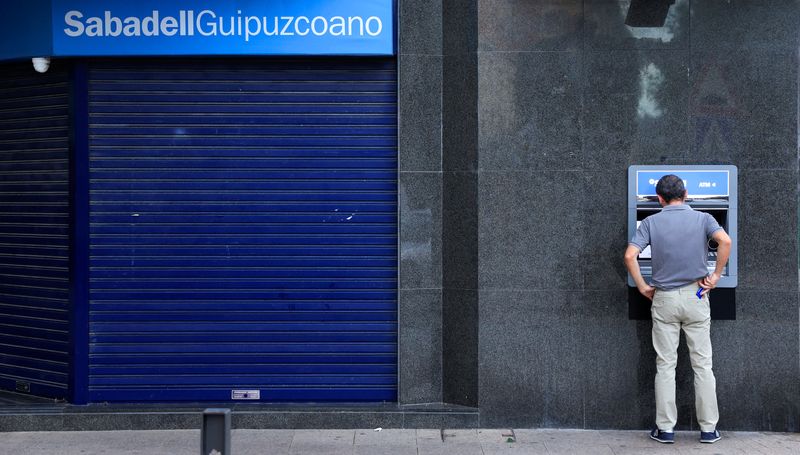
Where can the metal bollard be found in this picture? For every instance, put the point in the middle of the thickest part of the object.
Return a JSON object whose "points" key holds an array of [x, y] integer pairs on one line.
{"points": [[216, 433]]}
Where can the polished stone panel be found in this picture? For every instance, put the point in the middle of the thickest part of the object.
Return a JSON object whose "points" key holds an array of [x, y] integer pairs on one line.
{"points": [[659, 75], [530, 25], [620, 382], [605, 218], [768, 237], [744, 108], [532, 369], [541, 133], [459, 113], [530, 230], [460, 230], [31, 422], [137, 417], [756, 365], [420, 320], [441, 420], [310, 419], [117, 421], [529, 111], [765, 306], [616, 136], [459, 26], [460, 346], [420, 30], [745, 24], [605, 26], [636, 108], [420, 113], [562, 98], [420, 200], [420, 230], [528, 73]]}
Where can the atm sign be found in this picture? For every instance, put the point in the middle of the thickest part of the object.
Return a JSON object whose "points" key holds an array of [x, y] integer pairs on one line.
{"points": [[700, 183]]}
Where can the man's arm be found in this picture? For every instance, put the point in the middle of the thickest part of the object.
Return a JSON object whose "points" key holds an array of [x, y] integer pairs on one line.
{"points": [[632, 263], [723, 253]]}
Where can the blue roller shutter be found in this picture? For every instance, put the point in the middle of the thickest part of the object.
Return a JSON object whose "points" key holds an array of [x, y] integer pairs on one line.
{"points": [[34, 230], [243, 230]]}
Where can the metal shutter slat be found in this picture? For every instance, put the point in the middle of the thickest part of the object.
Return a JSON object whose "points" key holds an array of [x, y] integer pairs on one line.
{"points": [[34, 242], [243, 223]]}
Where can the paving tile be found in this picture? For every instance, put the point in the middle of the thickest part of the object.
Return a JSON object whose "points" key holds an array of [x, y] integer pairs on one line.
{"points": [[569, 448], [654, 448], [400, 442], [776, 443], [324, 436], [328, 442], [385, 450], [431, 448], [390, 437], [771, 451], [780, 439], [261, 441], [460, 437], [711, 450], [320, 449], [178, 442], [493, 436], [425, 434], [532, 448], [624, 438], [546, 435]]}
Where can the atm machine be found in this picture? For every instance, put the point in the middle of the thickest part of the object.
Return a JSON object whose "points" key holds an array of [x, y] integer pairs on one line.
{"points": [[711, 189]]}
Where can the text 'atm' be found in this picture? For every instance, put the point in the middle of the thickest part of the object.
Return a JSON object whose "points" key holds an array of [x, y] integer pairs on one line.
{"points": [[711, 189]]}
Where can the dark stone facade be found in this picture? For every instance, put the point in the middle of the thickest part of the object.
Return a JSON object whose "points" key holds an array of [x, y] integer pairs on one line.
{"points": [[518, 121]]}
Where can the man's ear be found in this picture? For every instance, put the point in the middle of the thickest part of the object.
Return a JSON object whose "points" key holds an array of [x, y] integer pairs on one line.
{"points": [[685, 194], [661, 200]]}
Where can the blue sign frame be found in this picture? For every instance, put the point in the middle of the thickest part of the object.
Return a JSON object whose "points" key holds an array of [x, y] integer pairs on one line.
{"points": [[73, 28], [25, 29], [700, 183]]}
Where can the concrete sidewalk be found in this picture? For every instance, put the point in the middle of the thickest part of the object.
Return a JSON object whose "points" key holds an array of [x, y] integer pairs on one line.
{"points": [[411, 442]]}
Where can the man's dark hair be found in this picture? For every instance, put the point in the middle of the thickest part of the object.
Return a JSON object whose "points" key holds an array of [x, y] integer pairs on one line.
{"points": [[670, 187]]}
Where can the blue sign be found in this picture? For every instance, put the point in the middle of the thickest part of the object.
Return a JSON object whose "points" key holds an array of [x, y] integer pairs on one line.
{"points": [[699, 183], [209, 27], [25, 29]]}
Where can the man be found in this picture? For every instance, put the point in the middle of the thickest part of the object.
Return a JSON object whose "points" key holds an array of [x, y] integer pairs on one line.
{"points": [[678, 237]]}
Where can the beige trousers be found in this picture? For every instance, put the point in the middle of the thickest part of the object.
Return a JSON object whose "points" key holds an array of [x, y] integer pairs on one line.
{"points": [[672, 311]]}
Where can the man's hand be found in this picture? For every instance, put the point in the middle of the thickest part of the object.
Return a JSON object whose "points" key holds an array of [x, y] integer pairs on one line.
{"points": [[709, 282], [723, 253], [647, 291]]}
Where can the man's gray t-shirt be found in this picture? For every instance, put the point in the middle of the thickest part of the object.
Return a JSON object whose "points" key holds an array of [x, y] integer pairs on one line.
{"points": [[678, 238]]}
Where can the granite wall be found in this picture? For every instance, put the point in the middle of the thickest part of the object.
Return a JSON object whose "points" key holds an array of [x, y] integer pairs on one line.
{"points": [[420, 58], [518, 121], [438, 76], [568, 98]]}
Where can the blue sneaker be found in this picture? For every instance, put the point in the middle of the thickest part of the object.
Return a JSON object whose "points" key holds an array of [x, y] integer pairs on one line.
{"points": [[662, 436], [709, 437]]}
